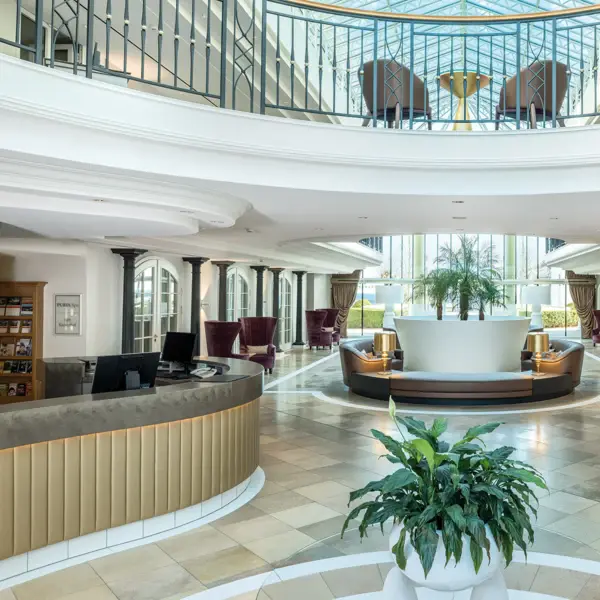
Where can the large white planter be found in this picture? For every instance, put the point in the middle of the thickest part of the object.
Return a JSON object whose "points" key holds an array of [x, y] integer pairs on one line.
{"points": [[488, 584]]}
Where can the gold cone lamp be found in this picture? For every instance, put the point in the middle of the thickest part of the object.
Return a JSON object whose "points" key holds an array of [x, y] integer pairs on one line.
{"points": [[384, 343], [538, 343]]}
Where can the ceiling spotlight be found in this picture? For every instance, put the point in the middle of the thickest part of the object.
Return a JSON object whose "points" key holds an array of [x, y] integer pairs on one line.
{"points": [[460, 230], [458, 201], [459, 218], [99, 200], [363, 218], [248, 230], [186, 212], [554, 218], [217, 222], [318, 229]]}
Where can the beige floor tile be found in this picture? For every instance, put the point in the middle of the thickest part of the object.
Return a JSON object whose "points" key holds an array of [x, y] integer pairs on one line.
{"points": [[196, 543], [559, 582], [279, 502], [591, 514], [59, 584], [384, 569], [353, 581], [316, 462], [313, 587], [167, 583], [245, 513], [301, 516], [322, 491], [519, 576], [300, 479], [591, 590], [567, 503], [280, 547], [125, 565], [7, 595], [254, 529], [282, 469], [577, 527], [258, 595], [234, 562], [102, 592], [270, 488]]}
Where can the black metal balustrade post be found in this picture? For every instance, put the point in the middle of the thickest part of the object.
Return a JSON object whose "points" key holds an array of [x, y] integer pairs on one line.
{"points": [[129, 256], [260, 274], [299, 306], [196, 262], [223, 266], [89, 46]]}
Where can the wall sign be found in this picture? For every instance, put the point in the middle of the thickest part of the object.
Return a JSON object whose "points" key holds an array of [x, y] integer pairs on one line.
{"points": [[67, 314]]}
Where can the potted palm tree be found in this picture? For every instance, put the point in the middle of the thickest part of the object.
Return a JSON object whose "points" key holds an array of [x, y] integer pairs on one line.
{"points": [[470, 265], [458, 510], [489, 294], [437, 287]]}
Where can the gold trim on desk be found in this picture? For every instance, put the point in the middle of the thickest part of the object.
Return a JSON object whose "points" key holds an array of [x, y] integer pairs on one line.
{"points": [[446, 19], [62, 489]]}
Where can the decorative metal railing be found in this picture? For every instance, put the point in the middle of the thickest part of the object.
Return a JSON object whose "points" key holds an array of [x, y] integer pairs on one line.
{"points": [[307, 60], [553, 244], [375, 243]]}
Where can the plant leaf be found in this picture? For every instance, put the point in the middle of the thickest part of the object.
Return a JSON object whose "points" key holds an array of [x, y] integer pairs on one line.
{"points": [[424, 447], [476, 555], [527, 476], [426, 542], [479, 430], [399, 479], [399, 552], [439, 427], [455, 512], [392, 408]]}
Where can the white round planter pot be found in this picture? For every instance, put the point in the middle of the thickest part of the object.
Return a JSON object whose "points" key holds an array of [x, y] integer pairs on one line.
{"points": [[488, 584]]}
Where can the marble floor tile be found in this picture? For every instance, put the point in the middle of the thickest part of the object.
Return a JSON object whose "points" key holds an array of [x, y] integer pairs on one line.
{"points": [[578, 528], [280, 547], [196, 543], [167, 583], [561, 583], [323, 491], [567, 503], [59, 584], [313, 587], [102, 592], [254, 529], [519, 576], [7, 595], [301, 516], [591, 590], [280, 501], [353, 581]]}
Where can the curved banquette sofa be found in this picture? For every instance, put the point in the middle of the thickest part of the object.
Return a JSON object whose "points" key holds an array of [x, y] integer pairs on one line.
{"points": [[362, 375]]}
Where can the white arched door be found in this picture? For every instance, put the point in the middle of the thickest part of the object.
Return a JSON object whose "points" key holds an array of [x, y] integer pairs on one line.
{"points": [[156, 304], [285, 310], [238, 296]]}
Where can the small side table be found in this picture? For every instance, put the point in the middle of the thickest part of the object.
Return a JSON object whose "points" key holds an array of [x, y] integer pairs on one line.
{"points": [[463, 85]]}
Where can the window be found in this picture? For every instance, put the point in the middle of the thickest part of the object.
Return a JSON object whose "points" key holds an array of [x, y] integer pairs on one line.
{"points": [[285, 310]]}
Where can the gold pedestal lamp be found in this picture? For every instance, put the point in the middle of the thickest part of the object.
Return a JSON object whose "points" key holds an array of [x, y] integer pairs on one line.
{"points": [[537, 343], [384, 343], [463, 85]]}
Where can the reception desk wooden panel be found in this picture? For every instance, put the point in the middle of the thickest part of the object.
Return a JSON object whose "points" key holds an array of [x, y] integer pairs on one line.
{"points": [[61, 489]]}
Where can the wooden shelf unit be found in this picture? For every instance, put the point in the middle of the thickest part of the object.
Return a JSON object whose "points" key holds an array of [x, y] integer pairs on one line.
{"points": [[35, 291]]}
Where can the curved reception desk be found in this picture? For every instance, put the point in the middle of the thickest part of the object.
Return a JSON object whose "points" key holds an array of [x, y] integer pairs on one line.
{"points": [[453, 346], [92, 471]]}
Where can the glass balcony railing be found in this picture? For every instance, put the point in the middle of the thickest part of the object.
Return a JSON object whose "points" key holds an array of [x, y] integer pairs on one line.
{"points": [[375, 243], [346, 65], [553, 244]]}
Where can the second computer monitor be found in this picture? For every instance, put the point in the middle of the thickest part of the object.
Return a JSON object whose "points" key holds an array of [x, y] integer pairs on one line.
{"points": [[179, 347]]}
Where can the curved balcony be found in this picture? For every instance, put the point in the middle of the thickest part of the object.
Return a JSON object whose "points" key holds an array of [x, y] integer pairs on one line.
{"points": [[303, 59]]}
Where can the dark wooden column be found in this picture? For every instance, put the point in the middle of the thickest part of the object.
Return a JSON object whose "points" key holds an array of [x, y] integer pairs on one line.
{"points": [[260, 275], [299, 308], [196, 262], [276, 281], [223, 266], [129, 256]]}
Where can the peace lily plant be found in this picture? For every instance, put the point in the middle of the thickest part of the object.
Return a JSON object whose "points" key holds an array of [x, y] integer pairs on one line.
{"points": [[460, 494]]}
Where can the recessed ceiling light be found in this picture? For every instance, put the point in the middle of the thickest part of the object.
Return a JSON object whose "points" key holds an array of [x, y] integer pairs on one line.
{"points": [[554, 218], [217, 222], [363, 217], [458, 201], [318, 229], [460, 230], [99, 200], [248, 230], [186, 212], [459, 218]]}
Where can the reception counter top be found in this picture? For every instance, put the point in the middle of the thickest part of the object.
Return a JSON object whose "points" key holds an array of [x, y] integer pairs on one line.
{"points": [[123, 466], [56, 418]]}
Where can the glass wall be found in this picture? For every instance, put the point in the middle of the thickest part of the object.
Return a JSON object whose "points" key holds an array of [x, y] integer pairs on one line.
{"points": [[518, 259]]}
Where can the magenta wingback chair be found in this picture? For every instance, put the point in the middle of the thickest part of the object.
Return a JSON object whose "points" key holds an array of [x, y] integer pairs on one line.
{"points": [[314, 329], [596, 330], [220, 336], [259, 331], [330, 319]]}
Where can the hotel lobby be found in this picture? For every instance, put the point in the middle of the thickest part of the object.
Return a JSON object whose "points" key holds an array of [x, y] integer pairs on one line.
{"points": [[299, 300]]}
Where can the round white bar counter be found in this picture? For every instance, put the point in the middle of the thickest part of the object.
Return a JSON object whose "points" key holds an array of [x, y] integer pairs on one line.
{"points": [[453, 346]]}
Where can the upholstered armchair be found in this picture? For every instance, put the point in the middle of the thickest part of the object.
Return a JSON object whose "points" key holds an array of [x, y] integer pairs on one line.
{"points": [[393, 95], [259, 332], [220, 337], [596, 330], [329, 323], [317, 336], [537, 88]]}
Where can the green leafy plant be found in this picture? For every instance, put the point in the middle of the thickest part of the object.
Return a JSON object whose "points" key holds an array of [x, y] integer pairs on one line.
{"points": [[437, 287], [489, 293], [453, 491]]}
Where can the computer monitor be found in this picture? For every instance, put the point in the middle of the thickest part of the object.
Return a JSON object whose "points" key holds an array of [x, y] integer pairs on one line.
{"points": [[125, 372], [179, 347]]}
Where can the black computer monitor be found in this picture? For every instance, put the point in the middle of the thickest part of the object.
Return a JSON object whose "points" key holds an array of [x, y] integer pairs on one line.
{"points": [[125, 372], [179, 347]]}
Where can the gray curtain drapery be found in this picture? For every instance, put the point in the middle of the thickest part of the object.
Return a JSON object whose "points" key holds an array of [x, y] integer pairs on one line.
{"points": [[583, 293], [343, 294]]}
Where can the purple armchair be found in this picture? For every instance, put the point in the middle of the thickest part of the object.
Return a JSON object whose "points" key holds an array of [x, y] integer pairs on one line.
{"points": [[330, 321], [259, 331], [315, 331], [596, 330], [220, 336]]}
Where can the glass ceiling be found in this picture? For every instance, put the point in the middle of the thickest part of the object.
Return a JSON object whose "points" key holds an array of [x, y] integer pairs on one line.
{"points": [[493, 49]]}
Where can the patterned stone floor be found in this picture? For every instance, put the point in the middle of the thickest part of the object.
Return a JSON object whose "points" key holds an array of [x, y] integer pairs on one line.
{"points": [[314, 452]]}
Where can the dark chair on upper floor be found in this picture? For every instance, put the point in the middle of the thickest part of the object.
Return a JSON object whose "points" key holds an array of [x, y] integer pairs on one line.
{"points": [[330, 323], [317, 336], [256, 339], [220, 337], [536, 91], [596, 330], [394, 93]]}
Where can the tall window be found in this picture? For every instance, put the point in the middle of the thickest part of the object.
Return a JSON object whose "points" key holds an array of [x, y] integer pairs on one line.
{"points": [[156, 304], [285, 310], [238, 297]]}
